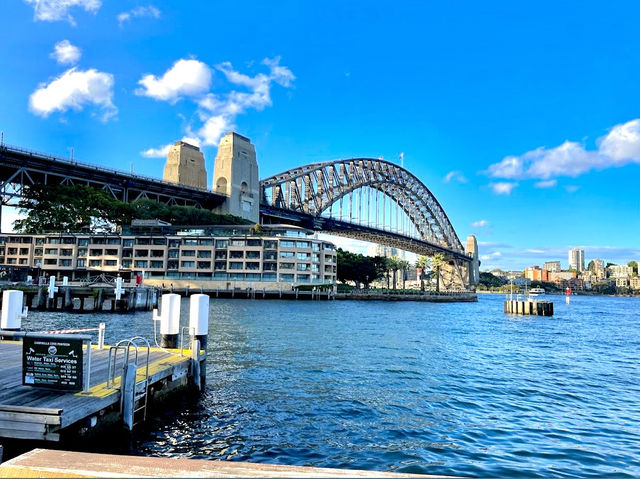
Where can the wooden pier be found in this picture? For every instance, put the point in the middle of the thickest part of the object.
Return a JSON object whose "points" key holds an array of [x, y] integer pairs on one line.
{"points": [[28, 412]]}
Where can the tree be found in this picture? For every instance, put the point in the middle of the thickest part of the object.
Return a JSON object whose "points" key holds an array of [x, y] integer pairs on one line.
{"points": [[634, 266], [423, 264], [437, 260], [356, 267], [404, 265], [490, 281]]}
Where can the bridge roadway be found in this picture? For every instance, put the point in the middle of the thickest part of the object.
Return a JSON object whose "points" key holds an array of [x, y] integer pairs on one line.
{"points": [[20, 167]]}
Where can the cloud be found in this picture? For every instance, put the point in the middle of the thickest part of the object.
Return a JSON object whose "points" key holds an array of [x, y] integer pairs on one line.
{"points": [[74, 90], [65, 53], [480, 224], [160, 152], [56, 10], [546, 184], [216, 112], [571, 188], [149, 11], [621, 146], [455, 176], [9, 215], [490, 256], [535, 251], [184, 78], [502, 187]]}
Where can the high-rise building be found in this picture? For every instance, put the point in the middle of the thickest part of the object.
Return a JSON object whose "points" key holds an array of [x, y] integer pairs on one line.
{"points": [[235, 174], [599, 269], [185, 165], [576, 259]]}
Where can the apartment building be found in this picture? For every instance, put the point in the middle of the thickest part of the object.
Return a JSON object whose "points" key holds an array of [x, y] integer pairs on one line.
{"points": [[212, 253]]}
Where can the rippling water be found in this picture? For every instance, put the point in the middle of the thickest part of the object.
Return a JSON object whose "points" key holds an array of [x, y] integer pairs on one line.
{"points": [[458, 389]]}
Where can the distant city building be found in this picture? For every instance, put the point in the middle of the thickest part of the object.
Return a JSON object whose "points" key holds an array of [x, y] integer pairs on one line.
{"points": [[622, 282], [185, 165], [620, 271], [576, 259], [634, 283], [562, 276], [552, 266], [534, 273], [599, 269]]}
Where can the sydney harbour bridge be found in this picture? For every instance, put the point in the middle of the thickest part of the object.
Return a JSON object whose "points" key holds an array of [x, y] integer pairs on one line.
{"points": [[362, 198]]}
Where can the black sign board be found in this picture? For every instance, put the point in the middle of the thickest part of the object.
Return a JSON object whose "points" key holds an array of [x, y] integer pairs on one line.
{"points": [[51, 362]]}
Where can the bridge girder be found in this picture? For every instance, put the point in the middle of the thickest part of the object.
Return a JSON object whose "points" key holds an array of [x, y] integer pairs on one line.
{"points": [[314, 188]]}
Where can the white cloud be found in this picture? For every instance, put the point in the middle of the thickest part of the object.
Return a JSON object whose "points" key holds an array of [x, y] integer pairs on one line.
{"points": [[56, 10], [160, 152], [73, 90], [535, 251], [480, 224], [455, 176], [490, 256], [619, 147], [65, 53], [502, 187], [216, 112], [546, 184], [572, 188], [184, 78], [148, 11]]}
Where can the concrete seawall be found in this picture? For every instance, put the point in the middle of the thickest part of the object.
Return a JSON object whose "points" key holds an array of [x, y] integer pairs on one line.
{"points": [[457, 297]]}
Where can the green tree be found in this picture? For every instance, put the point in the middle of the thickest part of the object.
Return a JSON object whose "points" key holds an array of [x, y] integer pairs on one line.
{"points": [[356, 267], [423, 264], [404, 266], [634, 267], [437, 261]]}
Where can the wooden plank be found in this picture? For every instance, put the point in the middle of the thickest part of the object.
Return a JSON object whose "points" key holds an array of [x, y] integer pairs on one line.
{"points": [[53, 420], [23, 426], [32, 435]]}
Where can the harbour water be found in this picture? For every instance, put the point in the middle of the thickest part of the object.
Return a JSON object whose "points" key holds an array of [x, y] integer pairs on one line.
{"points": [[459, 389]]}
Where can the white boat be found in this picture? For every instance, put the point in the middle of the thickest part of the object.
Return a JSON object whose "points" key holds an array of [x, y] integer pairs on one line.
{"points": [[536, 291]]}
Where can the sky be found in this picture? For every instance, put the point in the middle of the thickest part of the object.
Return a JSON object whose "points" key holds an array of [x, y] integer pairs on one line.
{"points": [[523, 119]]}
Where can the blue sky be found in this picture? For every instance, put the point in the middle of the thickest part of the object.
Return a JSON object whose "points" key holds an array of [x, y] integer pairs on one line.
{"points": [[522, 119]]}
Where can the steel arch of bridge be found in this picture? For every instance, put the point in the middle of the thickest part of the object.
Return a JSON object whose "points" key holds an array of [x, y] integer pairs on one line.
{"points": [[314, 188]]}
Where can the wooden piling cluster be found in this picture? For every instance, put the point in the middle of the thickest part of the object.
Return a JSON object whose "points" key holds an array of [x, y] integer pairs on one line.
{"points": [[91, 299], [528, 307]]}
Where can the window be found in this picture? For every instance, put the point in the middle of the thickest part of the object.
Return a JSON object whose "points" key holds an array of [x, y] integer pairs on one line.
{"points": [[236, 254], [157, 253], [111, 262], [126, 263], [48, 261], [253, 254], [143, 241], [236, 276], [316, 257], [98, 241], [159, 241], [173, 253], [25, 261], [15, 251], [127, 253], [37, 251], [287, 244], [286, 277], [95, 263], [219, 275], [315, 246], [140, 263], [40, 241], [127, 243], [83, 242], [188, 264], [304, 256], [95, 252], [68, 241], [111, 252], [269, 277], [253, 276], [286, 265], [113, 241], [303, 278], [235, 265], [328, 247], [269, 244], [328, 259], [81, 263], [13, 261], [303, 244], [142, 253], [174, 243], [221, 254], [205, 242], [188, 252], [204, 264], [190, 242], [221, 243], [66, 252], [237, 243], [204, 254], [172, 264], [253, 265], [270, 255], [303, 267], [287, 254], [46, 250], [254, 242], [315, 268], [157, 264], [24, 251], [53, 240], [220, 265], [269, 266]]}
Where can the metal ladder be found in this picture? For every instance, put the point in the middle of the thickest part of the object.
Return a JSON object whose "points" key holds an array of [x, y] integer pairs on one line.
{"points": [[141, 398]]}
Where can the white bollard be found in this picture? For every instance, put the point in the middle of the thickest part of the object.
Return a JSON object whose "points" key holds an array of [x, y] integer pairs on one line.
{"points": [[169, 320], [199, 317], [118, 290], [12, 310], [65, 281], [53, 289]]}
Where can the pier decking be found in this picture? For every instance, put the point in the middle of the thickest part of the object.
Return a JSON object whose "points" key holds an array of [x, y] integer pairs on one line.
{"points": [[27, 412]]}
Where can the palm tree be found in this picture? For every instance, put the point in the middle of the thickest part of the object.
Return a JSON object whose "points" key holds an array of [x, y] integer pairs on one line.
{"points": [[404, 265], [423, 264], [437, 260], [394, 263]]}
